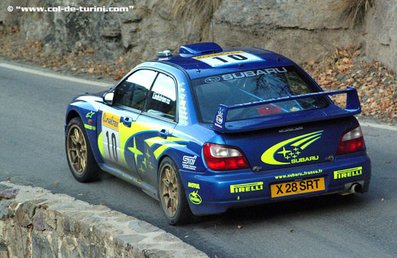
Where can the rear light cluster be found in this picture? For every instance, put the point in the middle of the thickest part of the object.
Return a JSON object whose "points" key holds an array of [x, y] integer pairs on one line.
{"points": [[221, 157], [351, 141]]}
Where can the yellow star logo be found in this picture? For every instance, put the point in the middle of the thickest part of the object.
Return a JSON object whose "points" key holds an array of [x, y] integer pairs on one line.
{"points": [[135, 151], [284, 152]]}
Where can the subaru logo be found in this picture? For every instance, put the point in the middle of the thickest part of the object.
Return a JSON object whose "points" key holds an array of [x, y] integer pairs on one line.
{"points": [[212, 79]]}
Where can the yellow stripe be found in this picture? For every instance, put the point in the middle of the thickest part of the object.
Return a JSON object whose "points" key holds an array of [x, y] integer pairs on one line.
{"points": [[308, 143], [162, 148], [300, 142], [100, 145], [159, 140]]}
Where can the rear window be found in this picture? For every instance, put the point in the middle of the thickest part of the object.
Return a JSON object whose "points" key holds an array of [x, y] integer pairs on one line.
{"points": [[254, 85]]}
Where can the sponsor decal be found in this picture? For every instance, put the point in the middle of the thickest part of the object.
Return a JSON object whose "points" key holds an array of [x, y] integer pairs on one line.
{"points": [[90, 114], [219, 118], [300, 174], [245, 188], [161, 98], [195, 198], [239, 75], [291, 129], [188, 162], [111, 121], [89, 127], [111, 137], [292, 151], [349, 172], [212, 79], [193, 185]]}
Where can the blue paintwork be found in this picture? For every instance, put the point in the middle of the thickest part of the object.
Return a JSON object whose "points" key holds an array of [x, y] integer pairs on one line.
{"points": [[353, 107], [218, 198], [197, 69], [199, 49], [252, 136]]}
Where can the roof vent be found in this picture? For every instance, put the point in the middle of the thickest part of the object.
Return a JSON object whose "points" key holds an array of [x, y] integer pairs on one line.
{"points": [[198, 49]]}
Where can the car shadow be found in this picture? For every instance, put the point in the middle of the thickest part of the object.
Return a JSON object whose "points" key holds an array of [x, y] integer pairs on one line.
{"points": [[284, 209]]}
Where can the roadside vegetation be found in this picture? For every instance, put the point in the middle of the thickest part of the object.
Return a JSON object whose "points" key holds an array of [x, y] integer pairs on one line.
{"points": [[354, 11], [200, 11]]}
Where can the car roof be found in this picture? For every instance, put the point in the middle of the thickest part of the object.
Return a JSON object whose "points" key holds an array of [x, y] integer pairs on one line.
{"points": [[194, 59]]}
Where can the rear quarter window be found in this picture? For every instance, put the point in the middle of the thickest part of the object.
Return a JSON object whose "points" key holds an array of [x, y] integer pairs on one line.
{"points": [[162, 97]]}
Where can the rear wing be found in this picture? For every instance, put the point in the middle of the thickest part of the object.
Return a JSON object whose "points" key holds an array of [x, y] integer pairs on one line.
{"points": [[222, 125]]}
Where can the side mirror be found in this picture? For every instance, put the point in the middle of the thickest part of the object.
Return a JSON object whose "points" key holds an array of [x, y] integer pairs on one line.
{"points": [[108, 98]]}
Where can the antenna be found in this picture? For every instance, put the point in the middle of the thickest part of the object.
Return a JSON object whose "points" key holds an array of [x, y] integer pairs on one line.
{"points": [[198, 68], [212, 28]]}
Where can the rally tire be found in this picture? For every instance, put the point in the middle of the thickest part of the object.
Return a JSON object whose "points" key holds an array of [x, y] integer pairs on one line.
{"points": [[79, 155], [172, 195]]}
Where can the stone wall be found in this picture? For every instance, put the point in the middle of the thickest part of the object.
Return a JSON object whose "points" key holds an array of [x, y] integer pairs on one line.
{"points": [[301, 29], [37, 223], [381, 29]]}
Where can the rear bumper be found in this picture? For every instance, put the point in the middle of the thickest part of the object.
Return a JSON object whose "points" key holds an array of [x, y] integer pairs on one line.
{"points": [[213, 193]]}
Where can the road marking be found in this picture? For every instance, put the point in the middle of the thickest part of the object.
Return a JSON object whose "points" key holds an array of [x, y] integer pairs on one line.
{"points": [[380, 126], [54, 76]]}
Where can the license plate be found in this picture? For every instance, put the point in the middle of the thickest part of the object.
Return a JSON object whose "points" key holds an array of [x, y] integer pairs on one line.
{"points": [[297, 187]]}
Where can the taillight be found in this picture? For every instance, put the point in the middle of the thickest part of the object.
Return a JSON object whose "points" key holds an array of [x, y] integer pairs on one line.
{"points": [[220, 157], [351, 141]]}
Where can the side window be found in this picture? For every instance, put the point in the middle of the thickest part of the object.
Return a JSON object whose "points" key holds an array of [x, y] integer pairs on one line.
{"points": [[162, 98], [132, 91]]}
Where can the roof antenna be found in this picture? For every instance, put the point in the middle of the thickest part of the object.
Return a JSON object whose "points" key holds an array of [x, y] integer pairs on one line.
{"points": [[212, 28], [198, 68]]}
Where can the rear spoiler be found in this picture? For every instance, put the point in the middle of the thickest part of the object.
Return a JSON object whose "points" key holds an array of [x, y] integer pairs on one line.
{"points": [[221, 124]]}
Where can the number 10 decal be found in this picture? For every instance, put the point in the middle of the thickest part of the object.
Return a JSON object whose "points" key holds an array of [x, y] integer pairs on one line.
{"points": [[233, 57], [111, 137], [228, 58], [112, 145]]}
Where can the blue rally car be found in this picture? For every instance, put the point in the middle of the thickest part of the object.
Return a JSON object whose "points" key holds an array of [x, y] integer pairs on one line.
{"points": [[209, 129]]}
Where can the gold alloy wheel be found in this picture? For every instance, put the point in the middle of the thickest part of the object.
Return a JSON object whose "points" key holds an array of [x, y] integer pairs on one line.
{"points": [[169, 190], [77, 149]]}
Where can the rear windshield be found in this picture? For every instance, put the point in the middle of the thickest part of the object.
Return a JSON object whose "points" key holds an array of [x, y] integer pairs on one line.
{"points": [[254, 85]]}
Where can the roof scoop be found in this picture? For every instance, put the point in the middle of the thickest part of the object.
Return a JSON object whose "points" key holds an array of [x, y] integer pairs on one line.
{"points": [[198, 49]]}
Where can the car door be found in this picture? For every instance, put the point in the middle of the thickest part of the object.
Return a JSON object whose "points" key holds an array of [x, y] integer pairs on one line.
{"points": [[118, 121], [160, 116]]}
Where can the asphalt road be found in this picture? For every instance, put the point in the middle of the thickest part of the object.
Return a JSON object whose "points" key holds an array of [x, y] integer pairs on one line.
{"points": [[32, 111]]}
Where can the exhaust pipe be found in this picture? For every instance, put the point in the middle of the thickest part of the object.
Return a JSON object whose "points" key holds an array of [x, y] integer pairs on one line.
{"points": [[352, 188], [356, 188]]}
